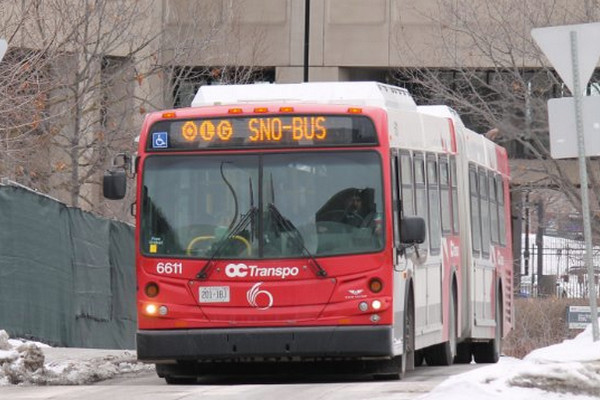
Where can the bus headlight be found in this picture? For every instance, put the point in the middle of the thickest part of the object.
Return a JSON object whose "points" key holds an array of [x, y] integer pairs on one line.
{"points": [[363, 306], [376, 304], [151, 309]]}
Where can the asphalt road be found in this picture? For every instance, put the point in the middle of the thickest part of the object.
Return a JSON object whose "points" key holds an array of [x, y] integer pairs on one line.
{"points": [[310, 385]]}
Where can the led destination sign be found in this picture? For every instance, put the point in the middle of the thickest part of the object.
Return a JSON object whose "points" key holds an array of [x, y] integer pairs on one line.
{"points": [[262, 131]]}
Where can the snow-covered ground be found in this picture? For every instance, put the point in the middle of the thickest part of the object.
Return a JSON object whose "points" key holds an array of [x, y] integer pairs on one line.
{"points": [[24, 363], [569, 370]]}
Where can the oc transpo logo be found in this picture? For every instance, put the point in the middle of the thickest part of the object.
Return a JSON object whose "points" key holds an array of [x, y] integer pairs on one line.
{"points": [[259, 298], [242, 270], [236, 270]]}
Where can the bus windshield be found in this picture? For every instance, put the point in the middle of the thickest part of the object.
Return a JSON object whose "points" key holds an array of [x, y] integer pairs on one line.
{"points": [[251, 206]]}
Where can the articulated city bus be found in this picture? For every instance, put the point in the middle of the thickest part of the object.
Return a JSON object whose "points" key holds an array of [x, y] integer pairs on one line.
{"points": [[318, 222]]}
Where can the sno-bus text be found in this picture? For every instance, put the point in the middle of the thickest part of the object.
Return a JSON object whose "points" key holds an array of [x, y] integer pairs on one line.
{"points": [[260, 131]]}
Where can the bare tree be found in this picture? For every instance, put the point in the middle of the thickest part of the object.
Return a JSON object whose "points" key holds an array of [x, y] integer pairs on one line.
{"points": [[73, 64], [24, 85], [81, 74], [488, 68], [219, 51]]}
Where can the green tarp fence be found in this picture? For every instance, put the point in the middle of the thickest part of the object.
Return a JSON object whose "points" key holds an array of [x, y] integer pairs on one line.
{"points": [[67, 277]]}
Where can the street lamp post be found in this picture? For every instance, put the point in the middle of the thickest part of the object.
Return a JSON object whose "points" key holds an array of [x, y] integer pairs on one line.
{"points": [[306, 37]]}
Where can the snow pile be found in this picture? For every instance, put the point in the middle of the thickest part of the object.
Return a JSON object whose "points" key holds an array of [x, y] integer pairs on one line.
{"points": [[572, 366], [23, 362], [569, 370]]}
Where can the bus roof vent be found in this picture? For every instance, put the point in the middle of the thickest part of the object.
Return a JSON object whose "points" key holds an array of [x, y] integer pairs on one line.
{"points": [[346, 93]]}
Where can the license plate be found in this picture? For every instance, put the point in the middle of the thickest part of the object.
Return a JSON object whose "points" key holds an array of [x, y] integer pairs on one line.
{"points": [[214, 294]]}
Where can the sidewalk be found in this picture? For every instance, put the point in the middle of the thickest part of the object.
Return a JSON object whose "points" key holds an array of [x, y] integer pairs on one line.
{"points": [[64, 354]]}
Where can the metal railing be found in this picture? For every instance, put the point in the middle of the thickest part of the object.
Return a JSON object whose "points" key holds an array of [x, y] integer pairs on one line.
{"points": [[563, 272]]}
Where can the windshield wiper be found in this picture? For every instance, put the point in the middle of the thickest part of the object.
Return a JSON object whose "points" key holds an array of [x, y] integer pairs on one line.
{"points": [[286, 225], [221, 244]]}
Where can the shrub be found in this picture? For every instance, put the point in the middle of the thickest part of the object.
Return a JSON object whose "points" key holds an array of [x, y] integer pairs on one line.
{"points": [[539, 322]]}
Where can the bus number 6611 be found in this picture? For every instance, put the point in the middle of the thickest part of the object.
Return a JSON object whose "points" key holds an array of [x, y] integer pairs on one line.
{"points": [[169, 268]]}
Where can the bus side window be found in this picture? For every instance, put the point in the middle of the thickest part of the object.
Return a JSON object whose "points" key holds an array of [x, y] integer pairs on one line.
{"points": [[501, 220], [493, 208], [445, 196], [420, 191], [454, 190], [433, 193], [475, 220], [485, 213], [411, 229], [406, 184]]}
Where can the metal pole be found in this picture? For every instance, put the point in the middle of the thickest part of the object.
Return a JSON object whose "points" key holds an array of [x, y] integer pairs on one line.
{"points": [[306, 37], [585, 203], [539, 242], [535, 288], [526, 253]]}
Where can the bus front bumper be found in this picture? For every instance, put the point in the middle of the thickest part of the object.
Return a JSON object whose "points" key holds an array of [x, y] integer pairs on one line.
{"points": [[263, 343]]}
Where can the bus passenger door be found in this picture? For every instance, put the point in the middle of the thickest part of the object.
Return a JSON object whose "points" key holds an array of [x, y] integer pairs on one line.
{"points": [[435, 276], [402, 266], [420, 196], [484, 272]]}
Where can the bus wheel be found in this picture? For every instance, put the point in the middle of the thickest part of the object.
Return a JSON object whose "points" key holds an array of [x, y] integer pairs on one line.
{"points": [[489, 352], [408, 354], [419, 358], [463, 353], [443, 353], [177, 374], [388, 369]]}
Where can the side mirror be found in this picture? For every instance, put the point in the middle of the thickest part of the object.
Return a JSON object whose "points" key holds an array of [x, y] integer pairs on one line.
{"points": [[412, 230], [114, 184]]}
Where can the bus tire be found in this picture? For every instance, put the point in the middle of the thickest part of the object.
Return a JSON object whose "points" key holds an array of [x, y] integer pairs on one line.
{"points": [[463, 353], [408, 353], [388, 370], [177, 374], [489, 352], [419, 358]]}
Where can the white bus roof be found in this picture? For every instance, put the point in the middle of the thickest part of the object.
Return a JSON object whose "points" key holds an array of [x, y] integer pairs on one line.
{"points": [[442, 111], [347, 93]]}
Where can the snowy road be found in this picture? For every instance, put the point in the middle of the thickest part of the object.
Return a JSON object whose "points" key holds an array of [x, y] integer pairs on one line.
{"points": [[567, 370], [145, 385]]}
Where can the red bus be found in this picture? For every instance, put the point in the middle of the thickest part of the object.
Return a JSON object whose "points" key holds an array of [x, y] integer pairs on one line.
{"points": [[318, 222]]}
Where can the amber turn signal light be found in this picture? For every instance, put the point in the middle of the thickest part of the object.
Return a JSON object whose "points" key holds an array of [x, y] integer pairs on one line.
{"points": [[375, 285], [151, 289]]}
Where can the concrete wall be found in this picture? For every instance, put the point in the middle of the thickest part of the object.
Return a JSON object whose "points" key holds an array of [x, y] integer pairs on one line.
{"points": [[361, 34]]}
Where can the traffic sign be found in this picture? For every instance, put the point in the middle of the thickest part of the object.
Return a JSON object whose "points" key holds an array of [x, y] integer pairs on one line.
{"points": [[579, 317], [555, 42], [563, 127], [581, 42]]}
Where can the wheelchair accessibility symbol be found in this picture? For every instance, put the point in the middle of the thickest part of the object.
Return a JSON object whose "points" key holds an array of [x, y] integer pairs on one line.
{"points": [[159, 140]]}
